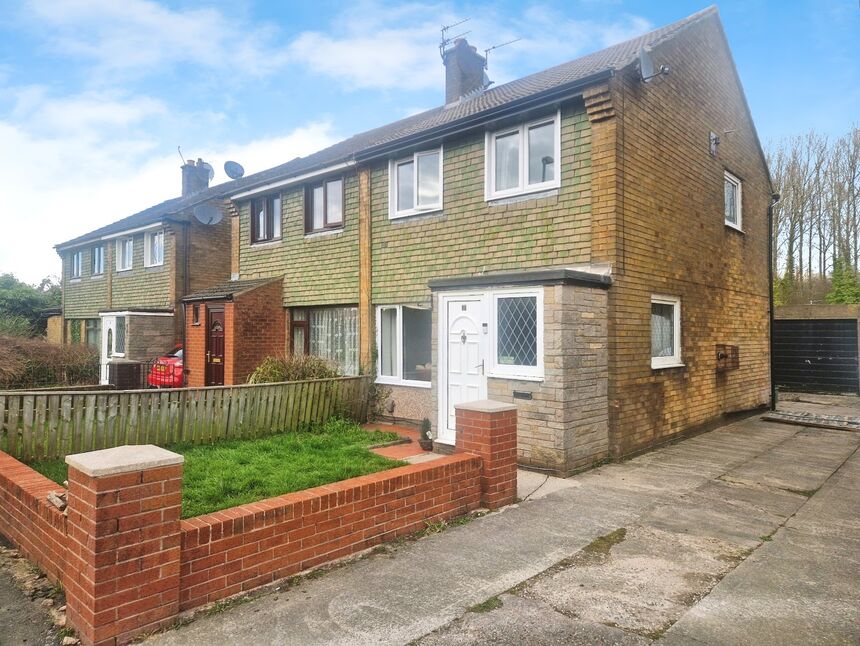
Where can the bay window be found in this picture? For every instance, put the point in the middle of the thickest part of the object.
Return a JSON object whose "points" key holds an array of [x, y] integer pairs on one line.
{"points": [[523, 158], [403, 340], [416, 184]]}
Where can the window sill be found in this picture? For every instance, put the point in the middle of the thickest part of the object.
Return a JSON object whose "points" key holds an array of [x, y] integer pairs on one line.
{"points": [[388, 381], [122, 271], [75, 280], [522, 196], [321, 234], [402, 215], [533, 378], [729, 225], [97, 277], [266, 243], [664, 366]]}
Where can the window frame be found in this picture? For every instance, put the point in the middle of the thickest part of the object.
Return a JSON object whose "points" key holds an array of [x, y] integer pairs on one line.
{"points": [[508, 371], [98, 269], [738, 184], [393, 185], [308, 198], [676, 359], [77, 265], [147, 248], [274, 218], [195, 314], [119, 242], [523, 187], [398, 380]]}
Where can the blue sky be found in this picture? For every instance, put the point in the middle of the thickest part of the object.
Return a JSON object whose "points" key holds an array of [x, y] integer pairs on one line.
{"points": [[95, 95]]}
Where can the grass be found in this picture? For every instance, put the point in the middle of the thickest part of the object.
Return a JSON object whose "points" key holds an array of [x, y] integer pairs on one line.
{"points": [[235, 472]]}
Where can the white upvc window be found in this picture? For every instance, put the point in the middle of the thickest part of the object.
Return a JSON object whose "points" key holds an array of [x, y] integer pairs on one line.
{"points": [[77, 264], [403, 341], [524, 158], [98, 260], [732, 187], [415, 184], [665, 332], [124, 253], [153, 249], [516, 335]]}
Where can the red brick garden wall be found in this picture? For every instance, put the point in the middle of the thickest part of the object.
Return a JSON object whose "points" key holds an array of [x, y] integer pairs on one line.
{"points": [[36, 527], [248, 546]]}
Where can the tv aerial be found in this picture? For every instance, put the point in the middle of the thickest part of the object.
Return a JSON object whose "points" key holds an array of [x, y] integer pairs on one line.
{"points": [[446, 39], [646, 67], [233, 169], [208, 213]]}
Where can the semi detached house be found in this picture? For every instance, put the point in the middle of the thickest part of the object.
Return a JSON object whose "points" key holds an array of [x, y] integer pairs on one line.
{"points": [[584, 242]]}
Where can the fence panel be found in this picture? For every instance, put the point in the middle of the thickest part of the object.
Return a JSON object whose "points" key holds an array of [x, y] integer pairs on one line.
{"points": [[53, 424]]}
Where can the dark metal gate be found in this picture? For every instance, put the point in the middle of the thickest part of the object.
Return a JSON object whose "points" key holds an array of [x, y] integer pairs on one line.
{"points": [[816, 355]]}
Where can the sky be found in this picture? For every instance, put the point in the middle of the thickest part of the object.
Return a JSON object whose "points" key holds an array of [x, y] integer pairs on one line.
{"points": [[96, 95]]}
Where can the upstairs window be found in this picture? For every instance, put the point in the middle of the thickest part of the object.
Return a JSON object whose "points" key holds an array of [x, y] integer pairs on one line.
{"points": [[524, 158], [98, 261], [732, 193], [266, 218], [324, 206], [403, 339], [416, 184], [77, 264], [124, 253], [153, 248], [665, 332]]}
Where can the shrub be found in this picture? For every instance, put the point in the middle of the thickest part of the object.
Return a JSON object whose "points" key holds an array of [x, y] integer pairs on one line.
{"points": [[34, 363], [15, 325], [281, 368]]}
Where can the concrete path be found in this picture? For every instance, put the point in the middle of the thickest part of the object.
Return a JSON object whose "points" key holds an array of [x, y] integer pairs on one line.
{"points": [[747, 533]]}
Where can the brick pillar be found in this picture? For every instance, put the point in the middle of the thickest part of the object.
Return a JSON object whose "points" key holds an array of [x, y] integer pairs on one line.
{"points": [[489, 429], [123, 569]]}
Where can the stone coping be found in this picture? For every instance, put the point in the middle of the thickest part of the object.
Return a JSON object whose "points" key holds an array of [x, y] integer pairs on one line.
{"points": [[485, 406], [123, 459]]}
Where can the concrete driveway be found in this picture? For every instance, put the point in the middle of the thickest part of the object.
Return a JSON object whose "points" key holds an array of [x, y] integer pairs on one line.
{"points": [[749, 534]]}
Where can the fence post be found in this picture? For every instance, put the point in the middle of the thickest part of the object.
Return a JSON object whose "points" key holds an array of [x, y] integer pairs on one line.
{"points": [[124, 507], [489, 429]]}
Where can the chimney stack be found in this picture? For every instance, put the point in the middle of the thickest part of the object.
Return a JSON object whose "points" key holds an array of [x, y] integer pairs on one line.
{"points": [[195, 177], [464, 70]]}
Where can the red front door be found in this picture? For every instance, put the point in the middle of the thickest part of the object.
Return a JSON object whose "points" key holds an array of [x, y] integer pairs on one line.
{"points": [[214, 347]]}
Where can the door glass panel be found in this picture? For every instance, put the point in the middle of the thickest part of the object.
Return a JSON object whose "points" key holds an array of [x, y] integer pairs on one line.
{"points": [[507, 156], [388, 342], [428, 179], [416, 343], [405, 188], [120, 335], [541, 153], [517, 331]]}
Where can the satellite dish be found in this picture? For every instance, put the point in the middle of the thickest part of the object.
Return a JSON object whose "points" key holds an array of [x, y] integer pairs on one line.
{"points": [[233, 169], [646, 67], [209, 170], [208, 213]]}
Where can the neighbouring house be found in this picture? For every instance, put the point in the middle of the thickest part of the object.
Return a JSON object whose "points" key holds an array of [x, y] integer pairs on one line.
{"points": [[123, 283], [589, 242]]}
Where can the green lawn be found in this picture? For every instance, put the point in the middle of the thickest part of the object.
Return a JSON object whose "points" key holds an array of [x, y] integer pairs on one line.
{"points": [[230, 473]]}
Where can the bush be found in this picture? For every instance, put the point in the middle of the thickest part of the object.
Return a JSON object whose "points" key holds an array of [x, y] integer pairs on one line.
{"points": [[15, 325], [35, 363], [281, 368]]}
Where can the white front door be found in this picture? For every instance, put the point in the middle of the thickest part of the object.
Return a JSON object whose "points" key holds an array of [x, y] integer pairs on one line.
{"points": [[465, 358], [108, 344]]}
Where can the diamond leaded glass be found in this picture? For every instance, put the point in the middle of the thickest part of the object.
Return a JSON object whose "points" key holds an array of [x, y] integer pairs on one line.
{"points": [[517, 331]]}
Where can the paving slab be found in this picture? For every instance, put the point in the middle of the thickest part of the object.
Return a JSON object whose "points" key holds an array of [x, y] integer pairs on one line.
{"points": [[527, 621]]}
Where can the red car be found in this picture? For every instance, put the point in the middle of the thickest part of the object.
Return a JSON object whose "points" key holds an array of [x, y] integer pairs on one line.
{"points": [[166, 372]]}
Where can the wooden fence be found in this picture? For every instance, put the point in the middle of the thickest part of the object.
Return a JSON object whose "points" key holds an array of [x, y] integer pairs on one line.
{"points": [[45, 425]]}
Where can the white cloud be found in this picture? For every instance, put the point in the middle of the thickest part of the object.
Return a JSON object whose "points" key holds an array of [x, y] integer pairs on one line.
{"points": [[144, 36]]}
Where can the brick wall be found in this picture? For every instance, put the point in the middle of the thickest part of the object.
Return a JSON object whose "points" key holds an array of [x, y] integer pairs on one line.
{"points": [[35, 527], [194, 355], [671, 239], [248, 546]]}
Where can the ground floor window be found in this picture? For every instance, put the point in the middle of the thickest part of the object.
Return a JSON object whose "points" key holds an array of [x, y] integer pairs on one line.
{"points": [[327, 332], [93, 332], [665, 331], [403, 339], [517, 334]]}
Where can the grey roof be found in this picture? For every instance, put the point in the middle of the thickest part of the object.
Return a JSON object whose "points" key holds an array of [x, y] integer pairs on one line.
{"points": [[226, 291], [467, 109]]}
